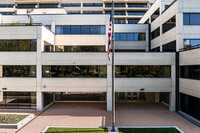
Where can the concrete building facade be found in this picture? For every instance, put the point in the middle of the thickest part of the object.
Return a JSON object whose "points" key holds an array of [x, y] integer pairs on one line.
{"points": [[63, 56]]}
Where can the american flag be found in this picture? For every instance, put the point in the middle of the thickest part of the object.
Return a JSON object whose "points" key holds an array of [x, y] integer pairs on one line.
{"points": [[109, 38]]}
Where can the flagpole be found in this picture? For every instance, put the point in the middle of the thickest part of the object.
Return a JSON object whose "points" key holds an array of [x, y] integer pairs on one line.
{"points": [[113, 71]]}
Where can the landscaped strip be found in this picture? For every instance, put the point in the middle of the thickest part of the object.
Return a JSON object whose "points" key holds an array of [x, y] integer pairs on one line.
{"points": [[77, 130], [11, 118], [148, 130]]}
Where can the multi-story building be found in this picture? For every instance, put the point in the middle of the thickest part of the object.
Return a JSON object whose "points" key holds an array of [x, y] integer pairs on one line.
{"points": [[62, 56], [175, 27]]}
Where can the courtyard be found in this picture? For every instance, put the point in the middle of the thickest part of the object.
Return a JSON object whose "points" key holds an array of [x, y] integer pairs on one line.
{"points": [[95, 115]]}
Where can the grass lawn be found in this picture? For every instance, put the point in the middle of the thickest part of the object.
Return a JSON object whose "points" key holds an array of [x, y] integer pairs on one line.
{"points": [[11, 118], [148, 130], [76, 130]]}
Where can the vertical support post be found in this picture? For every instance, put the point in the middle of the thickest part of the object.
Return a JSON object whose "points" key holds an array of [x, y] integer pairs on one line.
{"points": [[113, 71], [109, 87], [39, 101]]}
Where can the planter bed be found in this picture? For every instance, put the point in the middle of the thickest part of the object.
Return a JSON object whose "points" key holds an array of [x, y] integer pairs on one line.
{"points": [[14, 120]]}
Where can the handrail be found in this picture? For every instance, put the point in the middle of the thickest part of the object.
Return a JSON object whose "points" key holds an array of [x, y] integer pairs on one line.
{"points": [[190, 48]]}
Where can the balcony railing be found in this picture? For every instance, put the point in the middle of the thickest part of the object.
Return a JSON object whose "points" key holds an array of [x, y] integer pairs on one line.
{"points": [[190, 48]]}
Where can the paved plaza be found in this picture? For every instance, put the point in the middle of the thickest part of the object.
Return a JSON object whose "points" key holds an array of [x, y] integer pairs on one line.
{"points": [[95, 114]]}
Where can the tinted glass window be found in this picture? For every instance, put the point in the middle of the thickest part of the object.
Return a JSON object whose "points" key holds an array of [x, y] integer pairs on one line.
{"points": [[26, 6], [83, 29], [191, 19], [143, 71], [80, 48], [92, 12], [169, 25], [92, 4], [155, 33], [169, 47], [19, 71], [191, 44], [190, 105], [48, 6], [6, 6], [190, 72], [18, 45], [74, 71], [71, 5], [130, 36], [20, 100]]}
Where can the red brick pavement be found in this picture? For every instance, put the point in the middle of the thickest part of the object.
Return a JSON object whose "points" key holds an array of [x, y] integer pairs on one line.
{"points": [[95, 114]]}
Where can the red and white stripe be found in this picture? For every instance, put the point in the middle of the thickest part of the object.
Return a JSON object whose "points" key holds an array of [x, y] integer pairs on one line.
{"points": [[109, 39]]}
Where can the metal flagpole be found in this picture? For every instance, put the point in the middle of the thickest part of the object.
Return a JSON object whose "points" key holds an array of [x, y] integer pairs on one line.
{"points": [[113, 71]]}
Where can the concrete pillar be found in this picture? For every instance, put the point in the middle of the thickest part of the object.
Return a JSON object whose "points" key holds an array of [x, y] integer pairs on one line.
{"points": [[157, 97], [147, 41], [172, 94], [109, 86], [1, 71], [39, 101], [1, 96]]}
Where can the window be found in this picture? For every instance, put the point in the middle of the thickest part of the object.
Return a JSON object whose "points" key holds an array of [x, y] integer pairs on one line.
{"points": [[80, 48], [157, 49], [120, 21], [74, 12], [143, 71], [191, 44], [18, 45], [137, 5], [190, 105], [191, 19], [18, 100], [48, 6], [71, 5], [92, 12], [26, 6], [74, 71], [155, 15], [6, 6], [136, 13], [92, 4], [48, 26], [115, 5], [130, 36], [7, 13], [80, 29], [169, 47], [133, 21], [166, 6], [155, 33], [19, 71], [169, 25], [190, 72], [119, 13]]}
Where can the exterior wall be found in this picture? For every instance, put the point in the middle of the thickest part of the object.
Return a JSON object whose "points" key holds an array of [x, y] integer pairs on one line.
{"points": [[189, 86], [40, 58], [132, 45]]}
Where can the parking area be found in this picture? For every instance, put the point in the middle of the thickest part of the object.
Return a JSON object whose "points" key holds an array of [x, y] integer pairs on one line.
{"points": [[95, 114]]}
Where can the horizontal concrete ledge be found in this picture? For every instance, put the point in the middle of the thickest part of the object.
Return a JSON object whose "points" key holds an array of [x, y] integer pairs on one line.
{"points": [[19, 124], [109, 128]]}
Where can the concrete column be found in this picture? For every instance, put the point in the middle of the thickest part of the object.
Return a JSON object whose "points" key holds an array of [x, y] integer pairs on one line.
{"points": [[157, 97], [39, 101], [1, 71], [172, 94], [147, 41], [109, 86], [1, 96]]}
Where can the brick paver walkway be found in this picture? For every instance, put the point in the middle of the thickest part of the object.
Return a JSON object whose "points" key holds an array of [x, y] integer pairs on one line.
{"points": [[95, 114]]}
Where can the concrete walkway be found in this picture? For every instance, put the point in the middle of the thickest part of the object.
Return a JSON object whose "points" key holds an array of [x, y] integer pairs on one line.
{"points": [[95, 114]]}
